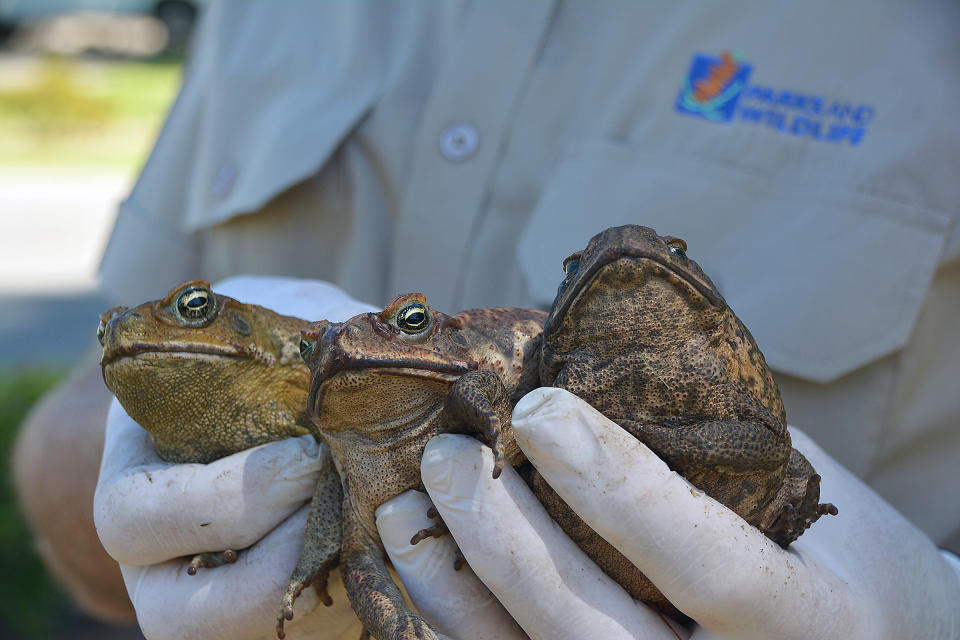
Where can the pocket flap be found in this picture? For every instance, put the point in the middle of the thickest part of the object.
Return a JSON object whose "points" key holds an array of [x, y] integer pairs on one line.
{"points": [[827, 279], [243, 164]]}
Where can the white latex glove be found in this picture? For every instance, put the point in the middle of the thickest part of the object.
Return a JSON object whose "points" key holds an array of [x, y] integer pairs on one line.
{"points": [[150, 513], [867, 573]]}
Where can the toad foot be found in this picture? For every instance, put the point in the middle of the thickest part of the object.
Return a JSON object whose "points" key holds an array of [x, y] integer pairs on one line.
{"points": [[211, 560]]}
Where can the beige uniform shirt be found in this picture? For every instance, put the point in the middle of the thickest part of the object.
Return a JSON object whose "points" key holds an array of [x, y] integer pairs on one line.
{"points": [[807, 152]]}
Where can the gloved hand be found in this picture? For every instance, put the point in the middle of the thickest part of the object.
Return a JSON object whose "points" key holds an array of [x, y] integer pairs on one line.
{"points": [[150, 513], [867, 573]]}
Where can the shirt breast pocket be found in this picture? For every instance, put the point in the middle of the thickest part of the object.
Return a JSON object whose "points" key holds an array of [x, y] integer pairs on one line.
{"points": [[827, 278]]}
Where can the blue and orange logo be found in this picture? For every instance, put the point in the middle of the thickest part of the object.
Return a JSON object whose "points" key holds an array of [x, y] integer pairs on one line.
{"points": [[716, 90], [713, 87]]}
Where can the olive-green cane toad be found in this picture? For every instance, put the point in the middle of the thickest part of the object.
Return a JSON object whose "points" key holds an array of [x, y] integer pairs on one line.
{"points": [[208, 376]]}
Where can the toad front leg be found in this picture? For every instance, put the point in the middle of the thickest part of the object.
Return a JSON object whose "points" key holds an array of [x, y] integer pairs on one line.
{"points": [[210, 560], [375, 598], [321, 544], [479, 404]]}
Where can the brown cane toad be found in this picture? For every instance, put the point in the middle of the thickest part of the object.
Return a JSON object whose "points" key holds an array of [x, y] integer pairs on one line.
{"points": [[208, 376], [681, 373], [642, 334], [378, 388]]}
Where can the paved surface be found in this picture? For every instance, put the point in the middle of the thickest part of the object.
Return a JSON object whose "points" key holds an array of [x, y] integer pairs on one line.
{"points": [[54, 224]]}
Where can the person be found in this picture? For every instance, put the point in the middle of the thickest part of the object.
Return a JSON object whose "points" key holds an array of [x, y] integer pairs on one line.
{"points": [[462, 149]]}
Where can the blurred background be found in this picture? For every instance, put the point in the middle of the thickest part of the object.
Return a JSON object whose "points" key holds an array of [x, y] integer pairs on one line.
{"points": [[84, 87]]}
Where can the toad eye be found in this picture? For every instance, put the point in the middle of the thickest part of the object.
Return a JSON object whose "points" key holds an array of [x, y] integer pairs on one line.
{"points": [[196, 306], [677, 246], [413, 318], [570, 268], [306, 348], [571, 265], [101, 331]]}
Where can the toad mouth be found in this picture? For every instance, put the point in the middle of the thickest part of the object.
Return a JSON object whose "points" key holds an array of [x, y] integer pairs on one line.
{"points": [[411, 367], [157, 350], [609, 257]]}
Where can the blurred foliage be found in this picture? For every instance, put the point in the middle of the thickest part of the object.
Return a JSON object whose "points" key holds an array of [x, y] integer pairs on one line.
{"points": [[27, 593], [55, 103], [61, 111]]}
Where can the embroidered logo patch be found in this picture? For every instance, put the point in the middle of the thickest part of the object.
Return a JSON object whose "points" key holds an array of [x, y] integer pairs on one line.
{"points": [[713, 87], [716, 89]]}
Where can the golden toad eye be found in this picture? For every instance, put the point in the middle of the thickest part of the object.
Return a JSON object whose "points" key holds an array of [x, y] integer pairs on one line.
{"points": [[413, 318], [306, 348], [196, 306], [676, 245]]}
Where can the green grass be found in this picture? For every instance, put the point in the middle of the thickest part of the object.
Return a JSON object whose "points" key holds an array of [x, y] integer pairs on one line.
{"points": [[85, 114], [28, 597]]}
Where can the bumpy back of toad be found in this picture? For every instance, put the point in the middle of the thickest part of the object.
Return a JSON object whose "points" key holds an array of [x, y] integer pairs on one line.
{"points": [[206, 375]]}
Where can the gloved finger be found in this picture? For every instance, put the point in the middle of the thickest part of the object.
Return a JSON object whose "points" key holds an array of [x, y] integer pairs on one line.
{"points": [[707, 561], [914, 591], [542, 578], [147, 510], [307, 299], [237, 601], [455, 601]]}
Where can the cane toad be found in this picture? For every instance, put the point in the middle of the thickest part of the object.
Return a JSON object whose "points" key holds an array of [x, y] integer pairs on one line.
{"points": [[643, 335], [681, 373], [208, 376], [204, 374], [378, 389]]}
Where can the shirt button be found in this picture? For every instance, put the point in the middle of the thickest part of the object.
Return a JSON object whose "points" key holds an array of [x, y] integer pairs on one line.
{"points": [[459, 141]]}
